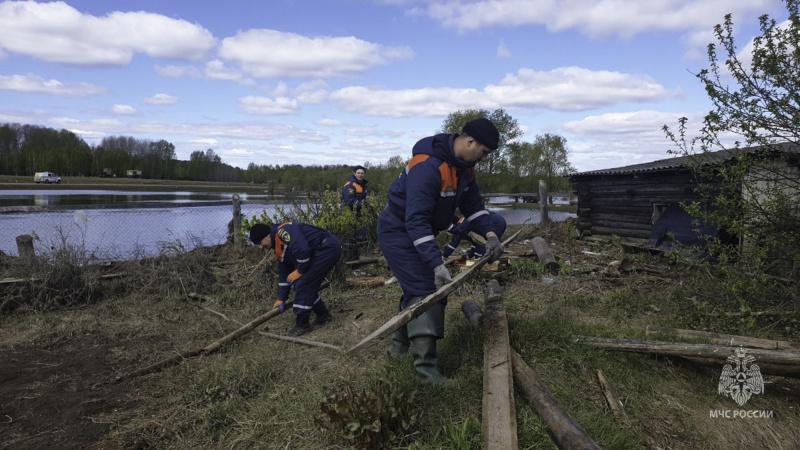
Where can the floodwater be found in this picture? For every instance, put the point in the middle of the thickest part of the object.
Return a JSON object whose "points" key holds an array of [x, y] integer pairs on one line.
{"points": [[116, 225]]}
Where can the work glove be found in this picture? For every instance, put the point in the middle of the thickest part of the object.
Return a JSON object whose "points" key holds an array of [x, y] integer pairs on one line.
{"points": [[294, 276], [279, 305], [494, 248], [461, 228], [441, 276]]}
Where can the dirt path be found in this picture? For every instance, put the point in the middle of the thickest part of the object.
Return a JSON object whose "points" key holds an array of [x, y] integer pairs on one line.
{"points": [[58, 397]]}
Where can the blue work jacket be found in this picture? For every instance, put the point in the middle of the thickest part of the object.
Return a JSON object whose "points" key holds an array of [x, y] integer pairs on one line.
{"points": [[427, 193]]}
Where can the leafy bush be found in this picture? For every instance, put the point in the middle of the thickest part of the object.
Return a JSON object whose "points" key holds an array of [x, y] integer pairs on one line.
{"points": [[372, 419]]}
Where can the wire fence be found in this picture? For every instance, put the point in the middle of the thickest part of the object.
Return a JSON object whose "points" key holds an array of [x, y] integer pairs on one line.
{"points": [[142, 229]]}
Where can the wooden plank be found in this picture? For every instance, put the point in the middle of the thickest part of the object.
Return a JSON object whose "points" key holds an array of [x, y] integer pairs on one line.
{"points": [[565, 432], [415, 310], [611, 397], [498, 415]]}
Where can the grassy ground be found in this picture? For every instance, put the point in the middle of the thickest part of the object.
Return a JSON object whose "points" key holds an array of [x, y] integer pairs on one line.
{"points": [[65, 339]]}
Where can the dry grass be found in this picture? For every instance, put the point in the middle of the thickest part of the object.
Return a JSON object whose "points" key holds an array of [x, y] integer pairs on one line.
{"points": [[259, 392]]}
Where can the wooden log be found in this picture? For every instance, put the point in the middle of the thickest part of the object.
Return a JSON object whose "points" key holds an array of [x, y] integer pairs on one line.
{"points": [[25, 246], [611, 396], [498, 414], [725, 339], [565, 432], [415, 310], [545, 255], [208, 349], [238, 239], [563, 429], [545, 221], [363, 261], [364, 281], [472, 312], [771, 362]]}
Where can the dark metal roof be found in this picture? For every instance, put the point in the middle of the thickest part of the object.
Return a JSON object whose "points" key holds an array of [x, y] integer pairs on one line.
{"points": [[678, 163]]}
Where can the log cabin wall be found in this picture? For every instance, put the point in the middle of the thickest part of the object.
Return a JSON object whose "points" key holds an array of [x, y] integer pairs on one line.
{"points": [[626, 202]]}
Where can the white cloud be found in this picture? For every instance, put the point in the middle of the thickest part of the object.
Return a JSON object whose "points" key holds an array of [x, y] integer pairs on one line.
{"points": [[161, 99], [620, 139], [125, 110], [216, 70], [268, 106], [328, 123], [257, 131], [37, 84], [503, 51], [268, 53], [562, 89], [594, 18], [206, 142], [57, 32], [178, 71]]}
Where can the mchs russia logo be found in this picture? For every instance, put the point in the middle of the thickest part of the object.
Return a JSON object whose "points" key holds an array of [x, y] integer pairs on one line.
{"points": [[739, 381]]}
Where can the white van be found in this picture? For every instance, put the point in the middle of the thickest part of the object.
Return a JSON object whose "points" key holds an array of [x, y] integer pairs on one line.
{"points": [[46, 177]]}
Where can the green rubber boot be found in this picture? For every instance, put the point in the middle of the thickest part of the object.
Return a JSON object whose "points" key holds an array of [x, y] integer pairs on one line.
{"points": [[400, 343], [423, 333], [423, 349]]}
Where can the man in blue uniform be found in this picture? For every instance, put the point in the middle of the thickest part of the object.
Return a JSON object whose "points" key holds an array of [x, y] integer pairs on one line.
{"points": [[439, 179], [306, 254], [460, 230], [354, 192]]}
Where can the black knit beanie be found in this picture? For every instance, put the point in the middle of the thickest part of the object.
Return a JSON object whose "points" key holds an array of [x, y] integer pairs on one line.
{"points": [[484, 131], [355, 169], [258, 232]]}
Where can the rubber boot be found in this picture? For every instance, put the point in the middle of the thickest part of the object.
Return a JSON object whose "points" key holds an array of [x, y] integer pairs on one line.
{"points": [[301, 326], [423, 333], [323, 315], [400, 343], [423, 349]]}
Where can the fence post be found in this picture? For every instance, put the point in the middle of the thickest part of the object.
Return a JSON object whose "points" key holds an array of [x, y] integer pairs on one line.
{"points": [[25, 246], [543, 205], [237, 220]]}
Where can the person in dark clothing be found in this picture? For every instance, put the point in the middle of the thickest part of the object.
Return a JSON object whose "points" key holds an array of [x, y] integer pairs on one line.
{"points": [[439, 179], [306, 254], [354, 192], [460, 230]]}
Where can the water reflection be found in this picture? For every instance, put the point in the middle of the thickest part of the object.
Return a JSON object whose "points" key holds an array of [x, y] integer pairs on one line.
{"points": [[132, 232]]}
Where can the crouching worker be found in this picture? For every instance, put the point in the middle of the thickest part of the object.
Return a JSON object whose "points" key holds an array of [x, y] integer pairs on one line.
{"points": [[460, 229], [305, 254]]}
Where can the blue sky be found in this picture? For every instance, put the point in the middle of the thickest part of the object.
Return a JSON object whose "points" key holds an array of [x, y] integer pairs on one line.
{"points": [[357, 81]]}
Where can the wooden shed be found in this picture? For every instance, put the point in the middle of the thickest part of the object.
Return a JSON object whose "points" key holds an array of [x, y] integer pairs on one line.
{"points": [[628, 201], [635, 201]]}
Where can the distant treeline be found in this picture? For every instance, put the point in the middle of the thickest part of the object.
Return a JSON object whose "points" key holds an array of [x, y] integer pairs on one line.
{"points": [[27, 149]]}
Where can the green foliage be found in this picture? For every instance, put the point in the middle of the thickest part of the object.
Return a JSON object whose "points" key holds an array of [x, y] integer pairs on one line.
{"points": [[326, 210], [527, 268], [380, 418], [750, 190]]}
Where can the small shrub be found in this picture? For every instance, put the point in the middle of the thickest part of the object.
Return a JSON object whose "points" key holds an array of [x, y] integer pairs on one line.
{"points": [[372, 419]]}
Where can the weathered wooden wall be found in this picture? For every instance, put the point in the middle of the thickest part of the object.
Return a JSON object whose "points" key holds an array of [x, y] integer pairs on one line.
{"points": [[622, 204]]}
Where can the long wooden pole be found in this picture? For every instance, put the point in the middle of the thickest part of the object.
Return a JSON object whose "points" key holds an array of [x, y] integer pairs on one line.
{"points": [[415, 310], [771, 362]]}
